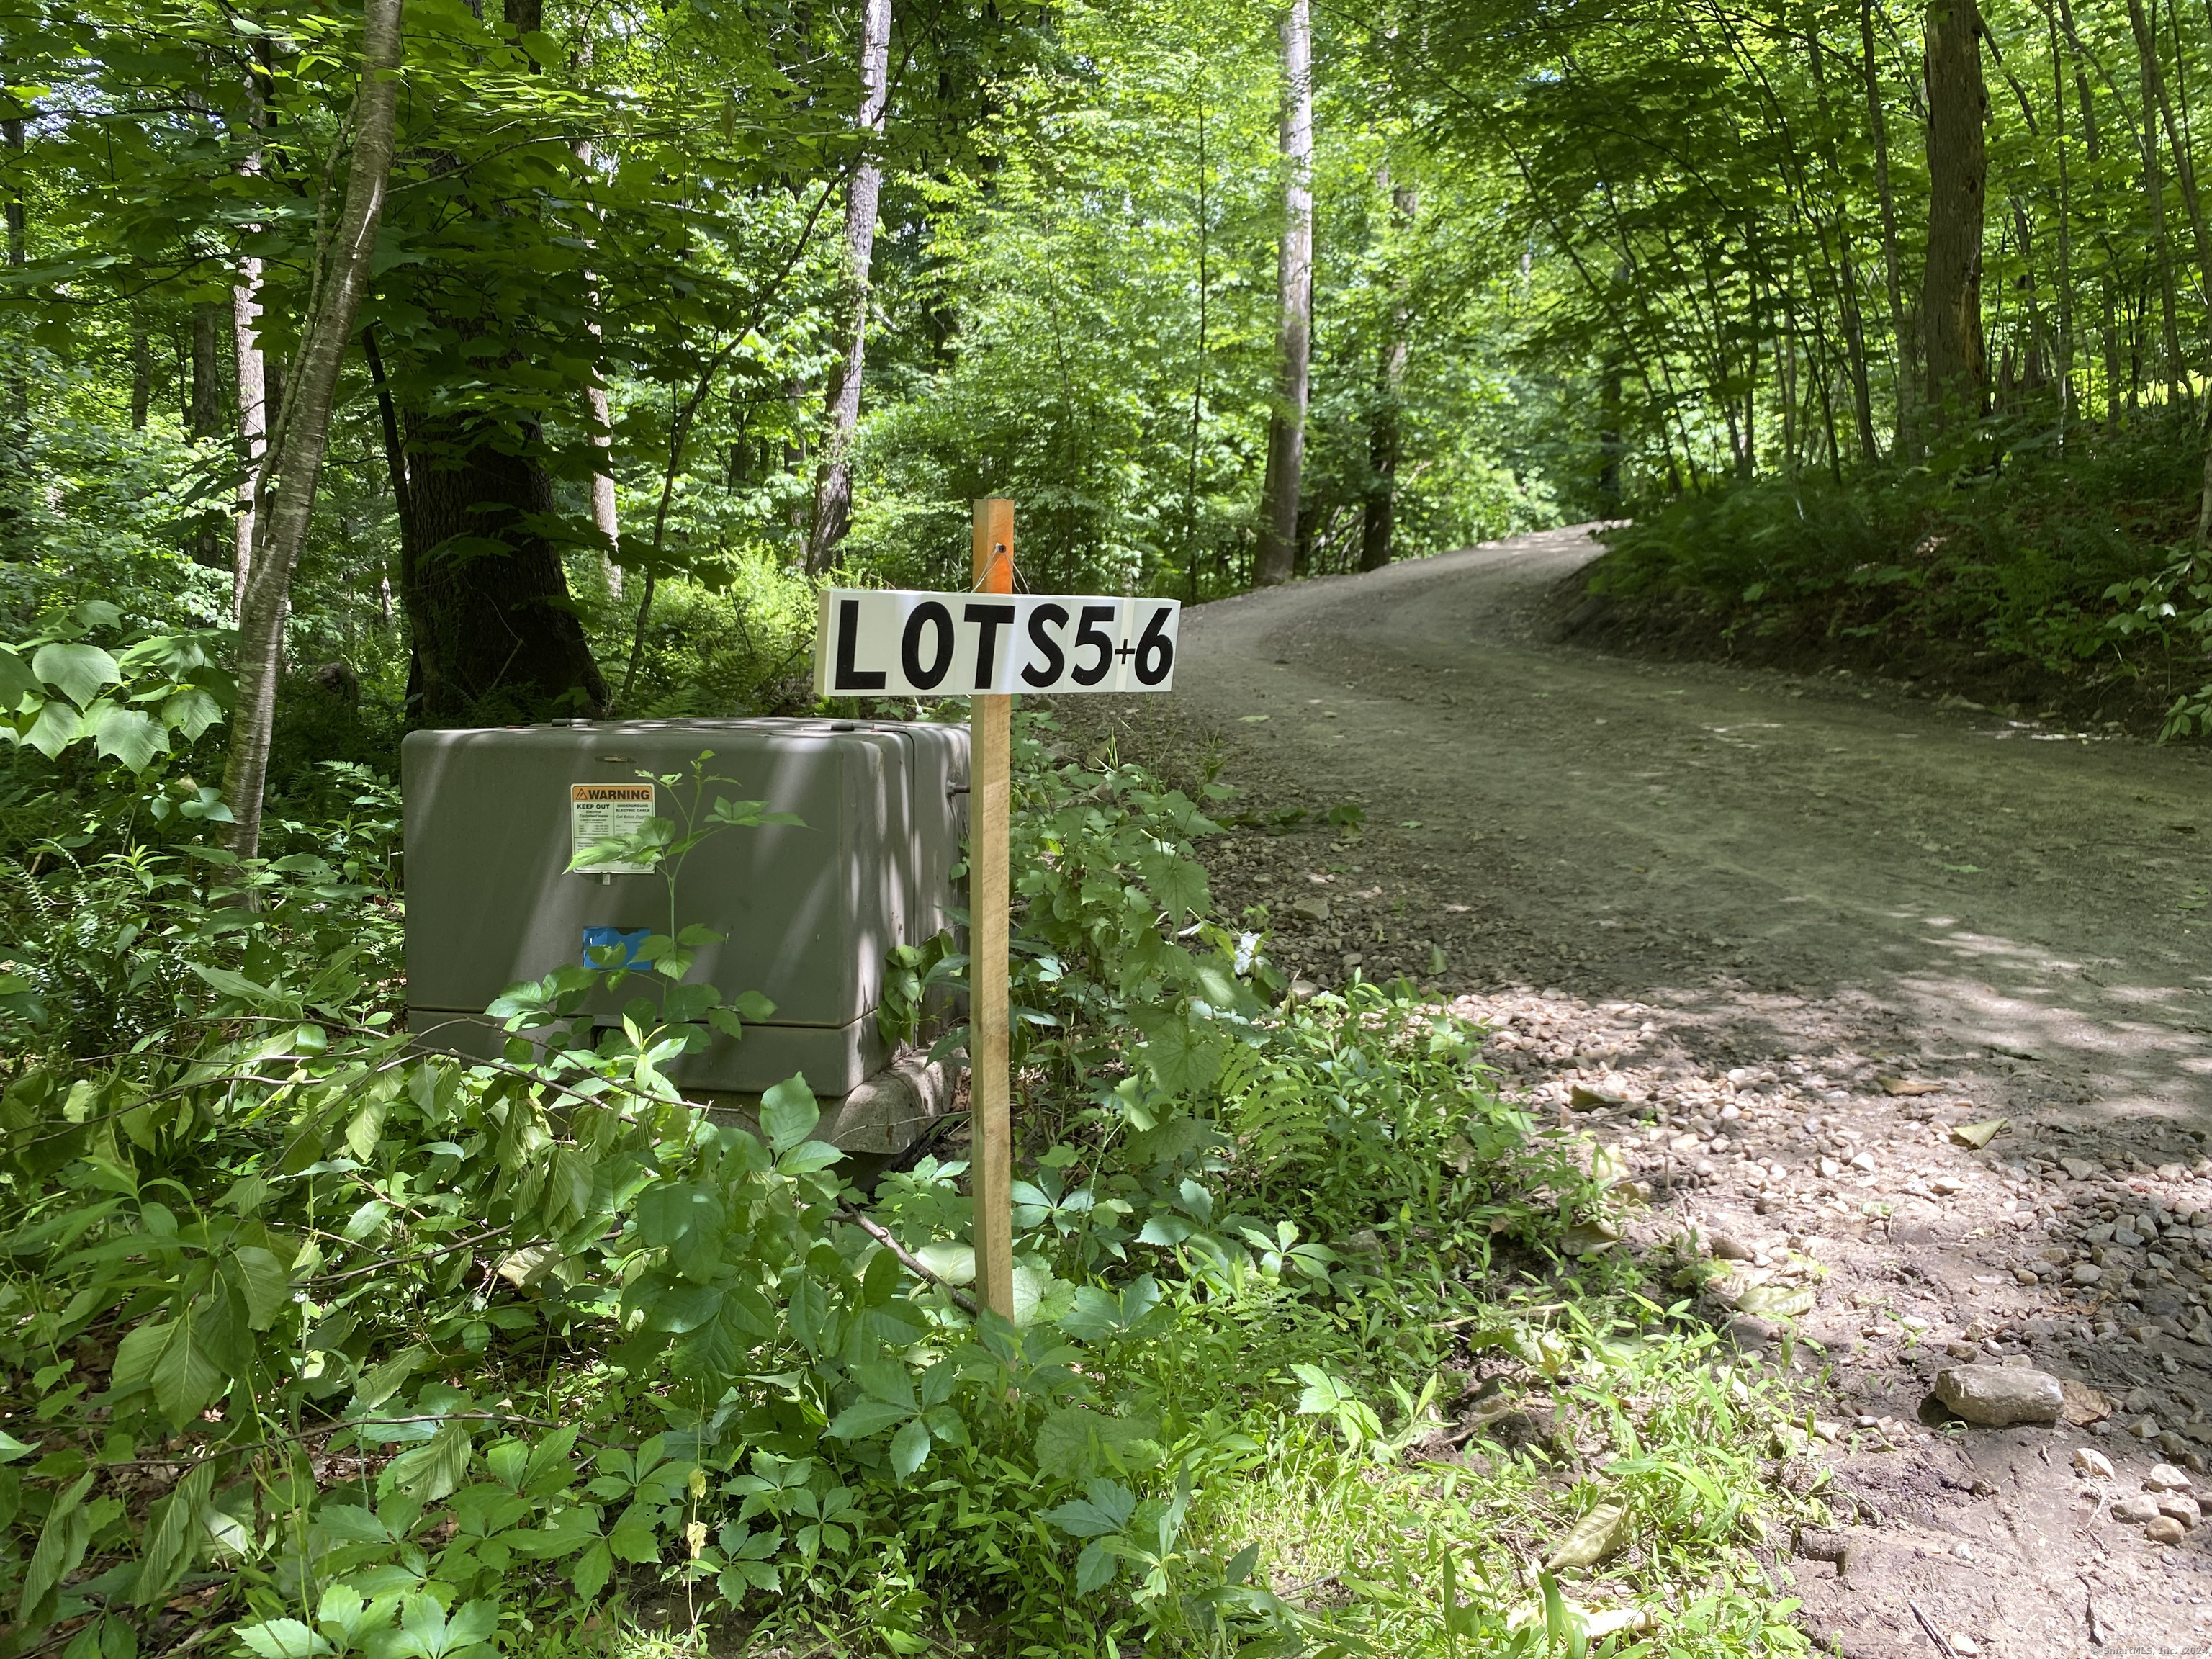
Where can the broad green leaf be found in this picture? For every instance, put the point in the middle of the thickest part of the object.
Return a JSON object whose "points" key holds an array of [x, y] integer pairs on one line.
{"points": [[909, 1449], [808, 1157], [60, 1548], [1096, 1565], [866, 1417], [380, 1381], [59, 724], [592, 1570], [191, 711], [17, 682], [282, 1638], [432, 1471], [1073, 1440], [788, 1113], [171, 1532], [11, 1449], [128, 735], [1104, 1508], [79, 670], [261, 1280]]}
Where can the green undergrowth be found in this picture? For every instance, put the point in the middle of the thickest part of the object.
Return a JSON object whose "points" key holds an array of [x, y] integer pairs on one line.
{"points": [[2008, 566], [312, 1345]]}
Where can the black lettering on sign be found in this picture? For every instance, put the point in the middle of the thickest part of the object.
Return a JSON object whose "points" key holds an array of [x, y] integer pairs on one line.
{"points": [[993, 617], [850, 678], [1155, 651], [1042, 619], [931, 614], [1088, 633]]}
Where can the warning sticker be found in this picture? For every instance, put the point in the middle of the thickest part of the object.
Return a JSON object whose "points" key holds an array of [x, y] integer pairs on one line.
{"points": [[597, 810]]}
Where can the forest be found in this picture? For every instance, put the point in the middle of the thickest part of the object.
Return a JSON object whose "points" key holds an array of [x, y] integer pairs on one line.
{"points": [[466, 363]]}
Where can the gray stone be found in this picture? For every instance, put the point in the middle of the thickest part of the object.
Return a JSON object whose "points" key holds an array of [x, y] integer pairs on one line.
{"points": [[1726, 1248], [2086, 1273], [1313, 910], [1998, 1396], [2134, 1509]]}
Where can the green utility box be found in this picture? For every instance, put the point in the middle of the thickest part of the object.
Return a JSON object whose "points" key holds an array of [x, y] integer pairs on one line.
{"points": [[808, 912]]}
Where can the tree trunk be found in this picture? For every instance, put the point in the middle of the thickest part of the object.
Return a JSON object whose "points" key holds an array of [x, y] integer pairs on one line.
{"points": [[1286, 425], [486, 596], [205, 422], [1878, 129], [245, 340], [1379, 513], [605, 520], [141, 378], [15, 387], [1957, 176], [302, 431], [2066, 341], [833, 481]]}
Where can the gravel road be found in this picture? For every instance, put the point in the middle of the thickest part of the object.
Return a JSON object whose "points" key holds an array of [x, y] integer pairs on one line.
{"points": [[1787, 934]]}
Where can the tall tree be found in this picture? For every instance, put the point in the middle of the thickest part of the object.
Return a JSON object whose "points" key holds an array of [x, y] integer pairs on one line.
{"points": [[495, 634], [15, 381], [833, 486], [1958, 180], [209, 326], [1287, 424], [252, 374], [1379, 511], [302, 434]]}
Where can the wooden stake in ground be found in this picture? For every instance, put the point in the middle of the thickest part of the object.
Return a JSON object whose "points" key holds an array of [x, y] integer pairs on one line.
{"points": [[990, 805]]}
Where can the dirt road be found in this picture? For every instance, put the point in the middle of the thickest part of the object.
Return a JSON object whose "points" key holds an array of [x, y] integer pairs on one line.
{"points": [[1969, 885], [1788, 934]]}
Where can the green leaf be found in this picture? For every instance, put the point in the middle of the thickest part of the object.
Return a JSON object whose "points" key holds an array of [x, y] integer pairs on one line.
{"points": [[172, 1356], [60, 1548], [17, 682], [11, 1449], [261, 1282], [191, 711], [128, 735], [58, 725], [172, 1531], [430, 1471], [866, 1417], [592, 1570], [909, 1448], [788, 1113], [1072, 1441], [1104, 1510], [382, 1381], [1096, 1566], [79, 670], [808, 1157], [282, 1638]]}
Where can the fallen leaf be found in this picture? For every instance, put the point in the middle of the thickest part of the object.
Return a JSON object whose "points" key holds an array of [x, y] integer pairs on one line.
{"points": [[1979, 1135], [2083, 1404], [1596, 1536], [1776, 1302], [1588, 1237]]}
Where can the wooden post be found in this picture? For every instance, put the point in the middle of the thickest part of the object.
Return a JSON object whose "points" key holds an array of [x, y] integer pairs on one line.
{"points": [[989, 902]]}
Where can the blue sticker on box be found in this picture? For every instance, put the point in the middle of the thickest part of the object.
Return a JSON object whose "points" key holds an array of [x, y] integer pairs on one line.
{"points": [[630, 942]]}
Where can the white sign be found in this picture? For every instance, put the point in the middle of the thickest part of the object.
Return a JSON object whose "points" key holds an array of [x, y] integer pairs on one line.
{"points": [[598, 811], [876, 641]]}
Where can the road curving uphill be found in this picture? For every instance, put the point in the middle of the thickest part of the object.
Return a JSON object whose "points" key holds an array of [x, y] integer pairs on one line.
{"points": [[1897, 1010]]}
